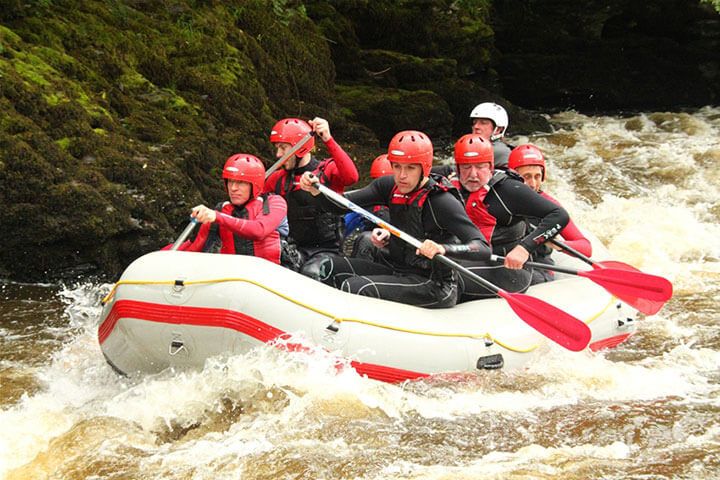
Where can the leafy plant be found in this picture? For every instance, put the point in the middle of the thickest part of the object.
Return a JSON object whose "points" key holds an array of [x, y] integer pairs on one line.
{"points": [[714, 3]]}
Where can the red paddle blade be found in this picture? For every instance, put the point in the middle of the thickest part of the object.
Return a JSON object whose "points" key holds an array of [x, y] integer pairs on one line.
{"points": [[644, 292], [615, 265], [558, 326]]}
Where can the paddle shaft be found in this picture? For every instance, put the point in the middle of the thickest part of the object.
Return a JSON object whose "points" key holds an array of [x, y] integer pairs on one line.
{"points": [[568, 248], [184, 234], [301, 143], [542, 266]]}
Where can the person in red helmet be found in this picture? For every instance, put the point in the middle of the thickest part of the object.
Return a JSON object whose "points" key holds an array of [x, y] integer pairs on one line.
{"points": [[380, 167], [421, 204], [500, 205], [247, 224], [529, 161], [312, 229]]}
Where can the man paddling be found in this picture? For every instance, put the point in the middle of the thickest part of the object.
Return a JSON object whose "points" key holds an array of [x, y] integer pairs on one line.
{"points": [[499, 204], [312, 229], [421, 204]]}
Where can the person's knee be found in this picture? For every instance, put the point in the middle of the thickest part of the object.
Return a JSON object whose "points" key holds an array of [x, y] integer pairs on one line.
{"points": [[541, 276], [319, 267], [359, 286]]}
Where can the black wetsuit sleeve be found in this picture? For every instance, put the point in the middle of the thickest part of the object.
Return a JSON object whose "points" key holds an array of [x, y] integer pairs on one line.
{"points": [[525, 202], [447, 213]]}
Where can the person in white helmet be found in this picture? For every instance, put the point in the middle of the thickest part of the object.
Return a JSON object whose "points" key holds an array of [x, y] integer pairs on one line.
{"points": [[490, 121]]}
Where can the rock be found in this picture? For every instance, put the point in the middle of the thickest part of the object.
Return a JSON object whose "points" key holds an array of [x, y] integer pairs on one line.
{"points": [[603, 56], [387, 111]]}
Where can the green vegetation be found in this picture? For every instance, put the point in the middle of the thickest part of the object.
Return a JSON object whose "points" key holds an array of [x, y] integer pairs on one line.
{"points": [[714, 3], [114, 116]]}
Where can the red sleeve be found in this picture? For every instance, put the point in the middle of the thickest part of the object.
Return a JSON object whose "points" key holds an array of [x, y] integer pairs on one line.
{"points": [[260, 227], [199, 242], [572, 235], [272, 180], [341, 171], [575, 239]]}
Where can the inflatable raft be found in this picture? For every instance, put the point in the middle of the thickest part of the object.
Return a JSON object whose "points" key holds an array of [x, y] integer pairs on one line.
{"points": [[177, 309]]}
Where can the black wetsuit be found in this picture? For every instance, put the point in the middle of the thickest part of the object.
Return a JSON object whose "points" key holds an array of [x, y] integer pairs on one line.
{"points": [[432, 212], [502, 211]]}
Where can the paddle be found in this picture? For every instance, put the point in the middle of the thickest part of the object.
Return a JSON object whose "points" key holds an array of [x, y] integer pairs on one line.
{"points": [[281, 161], [552, 322], [640, 302], [184, 234], [590, 261], [646, 293]]}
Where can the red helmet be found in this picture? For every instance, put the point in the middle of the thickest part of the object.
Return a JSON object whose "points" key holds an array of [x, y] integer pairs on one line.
{"points": [[527, 154], [411, 146], [380, 167], [472, 148], [244, 167], [291, 130]]}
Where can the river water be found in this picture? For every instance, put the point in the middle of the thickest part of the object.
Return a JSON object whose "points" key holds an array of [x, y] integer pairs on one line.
{"points": [[648, 185]]}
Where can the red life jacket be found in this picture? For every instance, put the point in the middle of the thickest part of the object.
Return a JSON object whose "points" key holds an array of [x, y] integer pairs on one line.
{"points": [[267, 248]]}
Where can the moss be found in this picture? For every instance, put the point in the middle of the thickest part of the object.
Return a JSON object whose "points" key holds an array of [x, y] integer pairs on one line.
{"points": [[388, 111], [129, 108], [33, 69], [394, 69], [8, 40], [133, 81], [55, 98], [64, 143]]}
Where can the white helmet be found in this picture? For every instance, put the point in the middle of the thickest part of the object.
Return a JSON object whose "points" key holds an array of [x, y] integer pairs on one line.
{"points": [[494, 112]]}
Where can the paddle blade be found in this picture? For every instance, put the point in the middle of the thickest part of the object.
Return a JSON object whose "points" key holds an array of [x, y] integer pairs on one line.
{"points": [[644, 292], [558, 326], [614, 264]]}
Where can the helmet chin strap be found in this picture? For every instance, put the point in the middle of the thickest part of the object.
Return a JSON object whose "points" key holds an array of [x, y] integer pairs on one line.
{"points": [[423, 180], [497, 134]]}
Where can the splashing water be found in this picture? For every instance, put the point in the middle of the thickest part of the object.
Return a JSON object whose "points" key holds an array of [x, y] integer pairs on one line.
{"points": [[647, 185]]}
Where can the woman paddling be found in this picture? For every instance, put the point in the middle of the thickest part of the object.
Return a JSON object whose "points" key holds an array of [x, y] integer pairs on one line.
{"points": [[247, 224]]}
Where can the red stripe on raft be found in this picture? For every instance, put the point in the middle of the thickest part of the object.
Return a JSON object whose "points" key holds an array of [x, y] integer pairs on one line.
{"points": [[184, 315], [216, 317], [386, 374], [609, 342]]}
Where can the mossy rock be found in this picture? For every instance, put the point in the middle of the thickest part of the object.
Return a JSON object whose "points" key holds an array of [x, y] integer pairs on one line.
{"points": [[392, 69], [387, 111], [448, 29], [115, 119]]}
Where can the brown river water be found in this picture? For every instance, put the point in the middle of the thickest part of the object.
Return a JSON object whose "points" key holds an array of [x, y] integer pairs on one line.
{"points": [[647, 185]]}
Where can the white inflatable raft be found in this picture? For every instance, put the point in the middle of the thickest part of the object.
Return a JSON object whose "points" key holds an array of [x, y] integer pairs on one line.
{"points": [[177, 309]]}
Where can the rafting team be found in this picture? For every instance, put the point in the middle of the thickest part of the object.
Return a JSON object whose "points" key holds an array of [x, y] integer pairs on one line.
{"points": [[490, 201]]}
